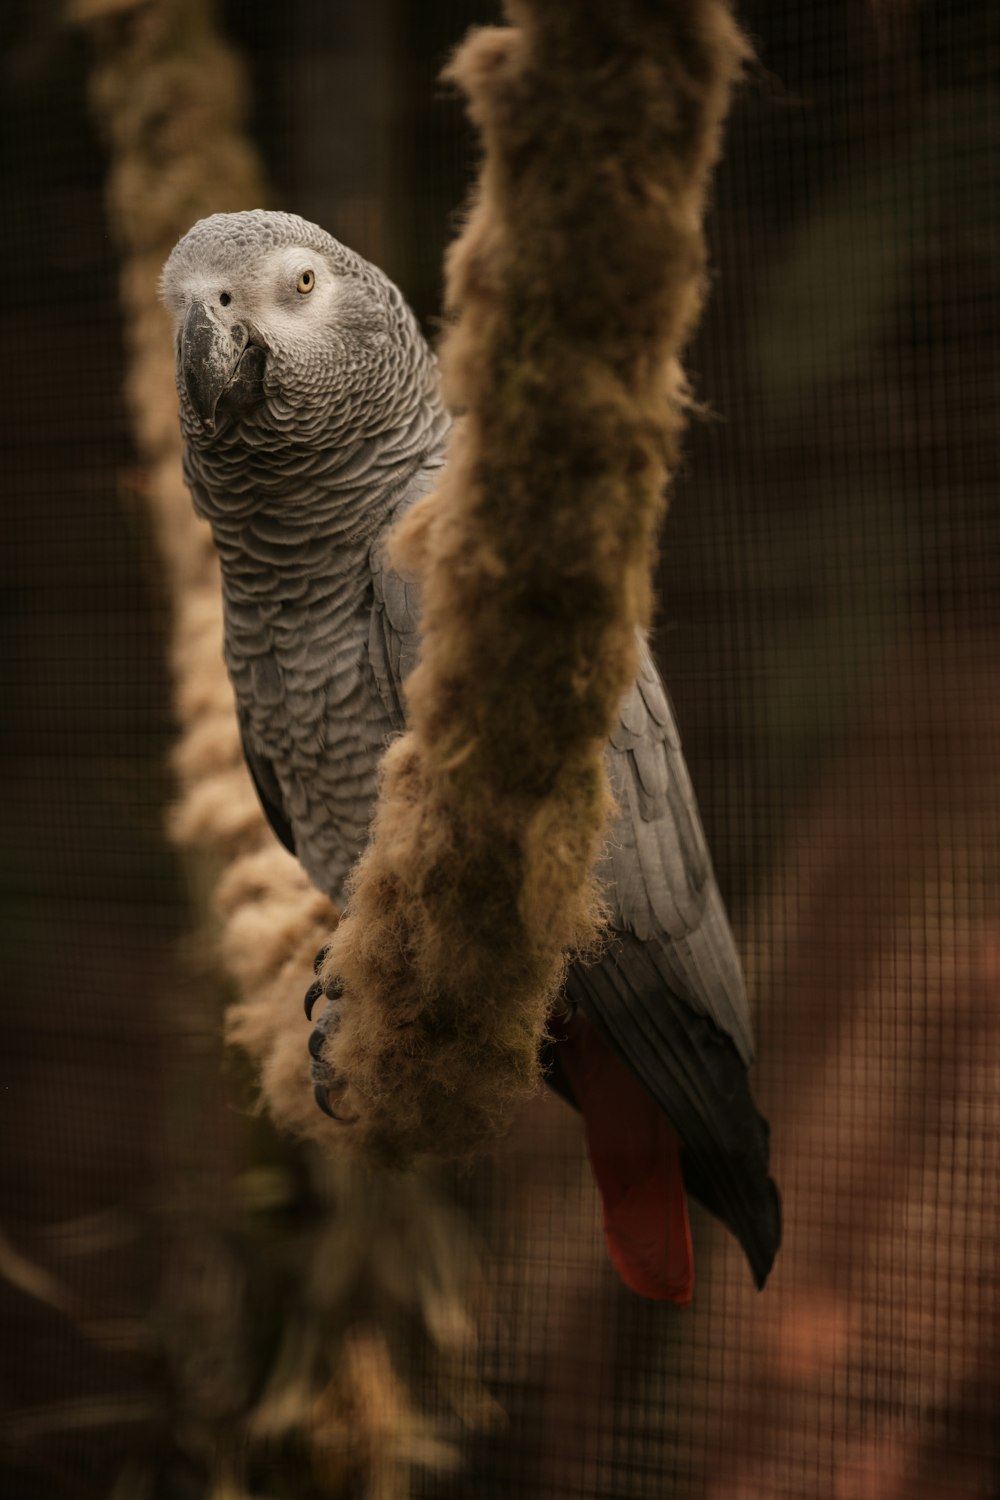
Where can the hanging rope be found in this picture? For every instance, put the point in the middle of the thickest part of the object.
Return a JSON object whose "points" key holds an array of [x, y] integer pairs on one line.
{"points": [[575, 284]]}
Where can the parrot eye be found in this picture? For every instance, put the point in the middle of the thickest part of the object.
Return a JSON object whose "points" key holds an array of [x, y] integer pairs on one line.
{"points": [[225, 299], [306, 282]]}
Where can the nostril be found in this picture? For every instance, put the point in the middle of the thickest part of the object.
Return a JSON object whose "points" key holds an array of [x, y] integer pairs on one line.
{"points": [[225, 299]]}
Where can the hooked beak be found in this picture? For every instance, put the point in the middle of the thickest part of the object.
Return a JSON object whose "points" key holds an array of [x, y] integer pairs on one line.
{"points": [[219, 366]]}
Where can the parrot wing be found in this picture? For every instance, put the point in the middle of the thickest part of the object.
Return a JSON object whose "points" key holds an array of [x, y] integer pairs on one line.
{"points": [[394, 630], [656, 868], [667, 999], [266, 783], [656, 1057]]}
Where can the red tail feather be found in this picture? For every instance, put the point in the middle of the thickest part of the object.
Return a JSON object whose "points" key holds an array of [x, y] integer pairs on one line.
{"points": [[636, 1157]]}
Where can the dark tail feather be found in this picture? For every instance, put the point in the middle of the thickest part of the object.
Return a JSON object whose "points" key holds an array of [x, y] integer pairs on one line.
{"points": [[693, 1071]]}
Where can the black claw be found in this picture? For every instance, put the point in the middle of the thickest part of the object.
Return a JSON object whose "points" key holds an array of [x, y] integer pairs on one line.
{"points": [[320, 1095], [322, 1099], [320, 958], [323, 1078], [313, 993]]}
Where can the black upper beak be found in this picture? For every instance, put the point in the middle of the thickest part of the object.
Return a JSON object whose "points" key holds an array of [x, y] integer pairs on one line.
{"points": [[217, 361]]}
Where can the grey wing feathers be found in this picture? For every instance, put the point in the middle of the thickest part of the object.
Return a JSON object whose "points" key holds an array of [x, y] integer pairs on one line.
{"points": [[656, 866], [393, 635], [394, 631], [268, 788]]}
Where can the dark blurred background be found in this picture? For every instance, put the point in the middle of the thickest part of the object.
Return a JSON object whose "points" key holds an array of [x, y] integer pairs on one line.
{"points": [[829, 626]]}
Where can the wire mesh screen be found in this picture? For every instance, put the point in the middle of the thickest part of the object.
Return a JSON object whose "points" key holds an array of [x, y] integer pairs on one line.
{"points": [[828, 626]]}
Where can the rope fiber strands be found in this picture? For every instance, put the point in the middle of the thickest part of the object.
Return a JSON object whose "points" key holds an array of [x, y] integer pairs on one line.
{"points": [[573, 287]]}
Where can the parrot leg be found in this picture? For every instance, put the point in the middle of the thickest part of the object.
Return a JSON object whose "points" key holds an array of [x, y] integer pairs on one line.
{"points": [[327, 1085]]}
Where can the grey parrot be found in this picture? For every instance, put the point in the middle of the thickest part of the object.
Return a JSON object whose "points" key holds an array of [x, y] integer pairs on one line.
{"points": [[312, 418]]}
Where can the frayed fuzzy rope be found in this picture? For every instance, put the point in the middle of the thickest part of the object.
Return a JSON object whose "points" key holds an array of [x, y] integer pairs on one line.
{"points": [[576, 281]]}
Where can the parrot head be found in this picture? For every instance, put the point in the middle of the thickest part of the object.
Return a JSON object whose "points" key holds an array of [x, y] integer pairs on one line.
{"points": [[278, 324]]}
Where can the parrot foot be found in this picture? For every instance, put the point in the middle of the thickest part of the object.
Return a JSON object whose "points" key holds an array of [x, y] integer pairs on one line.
{"points": [[328, 1086], [317, 988]]}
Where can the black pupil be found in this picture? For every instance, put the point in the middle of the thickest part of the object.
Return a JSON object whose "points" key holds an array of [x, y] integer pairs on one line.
{"points": [[307, 277], [225, 298]]}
